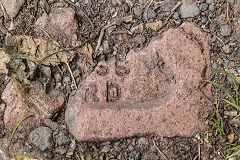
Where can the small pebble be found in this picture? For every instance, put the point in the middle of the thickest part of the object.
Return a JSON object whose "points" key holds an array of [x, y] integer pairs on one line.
{"points": [[176, 15], [204, 19], [57, 77], [231, 1], [62, 140], [137, 11], [76, 73], [189, 10], [42, 138], [203, 7], [67, 79], [143, 141], [209, 1], [212, 7], [219, 11], [137, 29], [2, 107], [214, 65], [138, 156], [226, 30], [105, 149], [148, 14], [130, 147]]}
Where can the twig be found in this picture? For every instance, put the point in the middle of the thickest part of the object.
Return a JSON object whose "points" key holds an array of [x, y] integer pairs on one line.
{"points": [[81, 12], [150, 4], [172, 12], [227, 12], [199, 152], [100, 39], [161, 153], [69, 69]]}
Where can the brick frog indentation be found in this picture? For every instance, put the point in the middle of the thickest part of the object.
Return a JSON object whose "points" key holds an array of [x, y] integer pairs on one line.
{"points": [[102, 70]]}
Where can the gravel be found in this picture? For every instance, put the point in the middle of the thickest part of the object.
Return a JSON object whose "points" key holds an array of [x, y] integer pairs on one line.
{"points": [[137, 11], [137, 29], [189, 10], [62, 140], [57, 77], [143, 141], [212, 7], [148, 14], [42, 138], [226, 30], [203, 7]]}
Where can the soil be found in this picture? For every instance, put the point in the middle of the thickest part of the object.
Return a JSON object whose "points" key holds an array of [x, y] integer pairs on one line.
{"points": [[120, 40]]}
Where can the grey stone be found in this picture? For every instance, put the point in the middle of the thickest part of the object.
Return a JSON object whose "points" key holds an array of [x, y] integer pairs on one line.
{"points": [[57, 77], [226, 30], [231, 1], [143, 141], [212, 27], [61, 139], [214, 65], [209, 1], [176, 15], [42, 138], [189, 10], [137, 11], [72, 146], [212, 7], [130, 147], [137, 29], [204, 19], [112, 10], [105, 149], [219, 11], [138, 156], [76, 73], [67, 79], [203, 7], [148, 14]]}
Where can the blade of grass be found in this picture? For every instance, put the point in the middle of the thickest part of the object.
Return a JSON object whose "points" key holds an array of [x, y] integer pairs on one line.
{"points": [[15, 129], [234, 82], [223, 88], [232, 104]]}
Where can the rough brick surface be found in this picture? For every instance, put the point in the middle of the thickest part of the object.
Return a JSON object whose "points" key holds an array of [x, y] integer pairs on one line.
{"points": [[37, 103], [155, 90], [60, 24]]}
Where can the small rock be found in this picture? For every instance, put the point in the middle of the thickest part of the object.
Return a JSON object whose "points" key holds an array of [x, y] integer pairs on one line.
{"points": [[143, 141], [137, 29], [209, 1], [61, 150], [42, 138], [203, 7], [213, 27], [219, 11], [130, 147], [57, 77], [226, 30], [214, 65], [12, 7], [227, 49], [105, 149], [76, 73], [60, 24], [189, 10], [137, 11], [67, 79], [49, 123], [138, 156], [72, 146], [176, 15], [204, 19], [62, 140], [148, 14], [212, 7], [230, 1]]}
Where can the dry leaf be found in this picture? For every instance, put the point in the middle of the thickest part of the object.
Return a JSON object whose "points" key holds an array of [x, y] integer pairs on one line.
{"points": [[154, 25], [22, 157], [4, 59], [87, 50], [231, 138]]}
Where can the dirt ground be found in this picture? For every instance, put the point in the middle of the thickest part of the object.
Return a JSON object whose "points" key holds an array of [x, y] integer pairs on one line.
{"points": [[120, 39]]}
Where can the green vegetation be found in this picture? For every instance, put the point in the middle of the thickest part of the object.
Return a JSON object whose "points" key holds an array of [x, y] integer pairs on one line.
{"points": [[233, 101]]}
